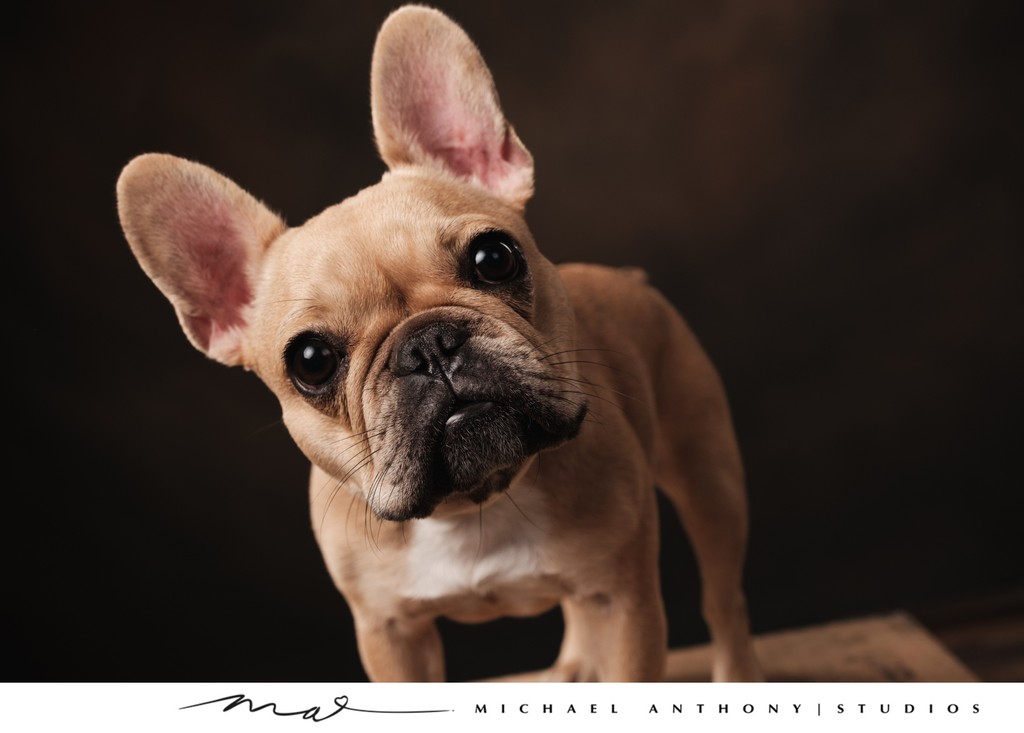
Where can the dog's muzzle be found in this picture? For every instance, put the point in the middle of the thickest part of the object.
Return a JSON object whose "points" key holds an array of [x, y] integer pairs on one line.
{"points": [[468, 420]]}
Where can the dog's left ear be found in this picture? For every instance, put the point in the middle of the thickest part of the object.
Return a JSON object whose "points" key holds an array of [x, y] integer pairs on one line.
{"points": [[434, 104]]}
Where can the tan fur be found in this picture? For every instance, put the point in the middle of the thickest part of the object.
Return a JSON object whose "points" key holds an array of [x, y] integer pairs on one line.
{"points": [[577, 526]]}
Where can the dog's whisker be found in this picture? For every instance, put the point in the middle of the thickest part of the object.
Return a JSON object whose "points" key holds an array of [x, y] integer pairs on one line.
{"points": [[348, 522], [508, 495], [356, 457], [369, 514], [581, 383], [365, 441], [285, 325], [623, 372], [592, 411], [350, 436], [586, 394], [539, 348], [587, 383], [560, 395], [365, 435], [380, 522], [373, 495], [480, 534], [545, 375], [342, 482], [264, 429], [578, 350], [590, 383], [335, 489]]}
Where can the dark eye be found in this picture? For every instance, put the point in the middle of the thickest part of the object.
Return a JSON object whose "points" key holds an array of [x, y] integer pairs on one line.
{"points": [[311, 362], [495, 260]]}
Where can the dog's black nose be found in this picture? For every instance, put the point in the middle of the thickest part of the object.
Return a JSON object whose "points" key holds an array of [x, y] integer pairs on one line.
{"points": [[431, 349]]}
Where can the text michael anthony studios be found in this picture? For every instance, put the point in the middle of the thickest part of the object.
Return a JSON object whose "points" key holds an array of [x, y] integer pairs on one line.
{"points": [[781, 709]]}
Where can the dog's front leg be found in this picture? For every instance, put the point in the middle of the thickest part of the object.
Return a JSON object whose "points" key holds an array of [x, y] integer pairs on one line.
{"points": [[615, 626], [400, 649], [613, 639]]}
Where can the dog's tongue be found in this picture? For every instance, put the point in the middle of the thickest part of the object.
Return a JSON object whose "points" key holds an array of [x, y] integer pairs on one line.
{"points": [[468, 411]]}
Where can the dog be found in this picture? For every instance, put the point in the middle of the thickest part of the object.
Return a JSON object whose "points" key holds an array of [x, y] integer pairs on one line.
{"points": [[486, 429]]}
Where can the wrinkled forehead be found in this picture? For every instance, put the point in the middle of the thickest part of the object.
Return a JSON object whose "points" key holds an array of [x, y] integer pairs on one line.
{"points": [[371, 231], [404, 222], [387, 240]]}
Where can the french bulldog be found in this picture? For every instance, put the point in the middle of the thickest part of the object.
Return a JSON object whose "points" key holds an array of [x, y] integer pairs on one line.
{"points": [[486, 430]]}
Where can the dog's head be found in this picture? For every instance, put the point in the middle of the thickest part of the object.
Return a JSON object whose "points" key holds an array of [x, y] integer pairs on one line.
{"points": [[413, 333]]}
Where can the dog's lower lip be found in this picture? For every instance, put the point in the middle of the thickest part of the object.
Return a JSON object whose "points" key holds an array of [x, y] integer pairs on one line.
{"points": [[470, 410]]}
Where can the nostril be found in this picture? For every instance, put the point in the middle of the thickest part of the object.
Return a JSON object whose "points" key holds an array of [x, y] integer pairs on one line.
{"points": [[450, 338], [418, 361], [408, 359], [431, 350]]}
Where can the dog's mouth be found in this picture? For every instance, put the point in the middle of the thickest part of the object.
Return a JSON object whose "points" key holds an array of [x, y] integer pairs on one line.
{"points": [[485, 442], [471, 448]]}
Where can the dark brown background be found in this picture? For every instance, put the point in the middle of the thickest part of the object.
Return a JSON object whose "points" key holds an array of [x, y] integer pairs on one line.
{"points": [[829, 191]]}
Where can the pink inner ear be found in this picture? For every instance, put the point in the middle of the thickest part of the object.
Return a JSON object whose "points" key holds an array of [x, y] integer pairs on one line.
{"points": [[488, 161], [472, 140], [214, 271]]}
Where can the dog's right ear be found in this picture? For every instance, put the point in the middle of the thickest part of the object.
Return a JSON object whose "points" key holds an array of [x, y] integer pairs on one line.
{"points": [[201, 239]]}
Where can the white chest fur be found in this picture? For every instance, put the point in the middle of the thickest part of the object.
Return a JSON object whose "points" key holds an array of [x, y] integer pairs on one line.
{"points": [[482, 564]]}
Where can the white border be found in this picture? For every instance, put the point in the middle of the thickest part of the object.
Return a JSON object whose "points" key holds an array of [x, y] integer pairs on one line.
{"points": [[783, 707]]}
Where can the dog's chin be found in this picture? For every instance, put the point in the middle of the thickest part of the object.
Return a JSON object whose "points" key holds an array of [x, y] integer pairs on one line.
{"points": [[479, 451]]}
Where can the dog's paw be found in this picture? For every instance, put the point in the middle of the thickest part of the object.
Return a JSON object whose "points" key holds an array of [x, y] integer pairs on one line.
{"points": [[737, 670], [570, 671]]}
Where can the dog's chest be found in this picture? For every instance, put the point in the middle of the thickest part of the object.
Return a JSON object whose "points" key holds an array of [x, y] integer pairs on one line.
{"points": [[480, 566]]}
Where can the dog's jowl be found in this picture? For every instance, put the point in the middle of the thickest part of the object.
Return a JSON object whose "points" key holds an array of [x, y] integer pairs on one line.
{"points": [[500, 424]]}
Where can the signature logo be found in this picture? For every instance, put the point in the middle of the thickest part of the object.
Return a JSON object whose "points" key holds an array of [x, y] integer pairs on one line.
{"points": [[315, 713]]}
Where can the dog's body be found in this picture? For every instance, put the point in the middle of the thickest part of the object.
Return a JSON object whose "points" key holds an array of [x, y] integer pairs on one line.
{"points": [[486, 429]]}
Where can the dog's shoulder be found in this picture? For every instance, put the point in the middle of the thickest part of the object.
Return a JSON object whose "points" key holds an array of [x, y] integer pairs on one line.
{"points": [[600, 287], [585, 273], [618, 305]]}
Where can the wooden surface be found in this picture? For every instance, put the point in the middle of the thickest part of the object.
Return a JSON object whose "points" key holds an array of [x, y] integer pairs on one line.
{"points": [[889, 648], [985, 632]]}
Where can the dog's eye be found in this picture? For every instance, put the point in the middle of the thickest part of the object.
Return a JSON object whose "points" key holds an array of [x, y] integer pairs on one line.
{"points": [[311, 363], [495, 260]]}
